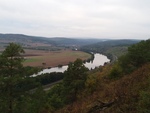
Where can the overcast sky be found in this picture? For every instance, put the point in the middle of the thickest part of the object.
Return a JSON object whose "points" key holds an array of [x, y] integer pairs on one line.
{"points": [[76, 18]]}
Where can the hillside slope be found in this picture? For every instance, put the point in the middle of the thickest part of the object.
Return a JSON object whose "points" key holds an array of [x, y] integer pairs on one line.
{"points": [[125, 94]]}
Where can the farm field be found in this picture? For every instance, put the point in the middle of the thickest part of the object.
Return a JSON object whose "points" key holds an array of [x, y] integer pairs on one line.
{"points": [[44, 59]]}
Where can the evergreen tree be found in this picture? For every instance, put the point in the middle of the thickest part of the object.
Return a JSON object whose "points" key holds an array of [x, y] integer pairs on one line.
{"points": [[74, 79], [138, 54], [10, 73]]}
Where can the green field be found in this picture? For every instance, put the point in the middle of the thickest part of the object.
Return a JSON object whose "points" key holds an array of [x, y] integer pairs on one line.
{"points": [[31, 60]]}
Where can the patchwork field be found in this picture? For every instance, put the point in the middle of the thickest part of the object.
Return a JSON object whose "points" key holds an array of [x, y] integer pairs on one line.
{"points": [[41, 58]]}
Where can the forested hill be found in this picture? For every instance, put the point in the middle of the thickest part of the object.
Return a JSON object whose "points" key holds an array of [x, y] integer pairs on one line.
{"points": [[61, 41], [118, 42], [74, 41], [112, 43], [20, 38], [110, 48]]}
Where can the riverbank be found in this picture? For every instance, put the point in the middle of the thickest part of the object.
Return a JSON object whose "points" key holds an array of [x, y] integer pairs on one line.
{"points": [[99, 60]]}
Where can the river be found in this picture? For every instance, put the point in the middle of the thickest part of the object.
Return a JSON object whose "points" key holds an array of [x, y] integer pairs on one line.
{"points": [[99, 60]]}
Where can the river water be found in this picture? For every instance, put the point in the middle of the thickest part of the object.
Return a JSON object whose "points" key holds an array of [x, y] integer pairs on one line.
{"points": [[99, 60]]}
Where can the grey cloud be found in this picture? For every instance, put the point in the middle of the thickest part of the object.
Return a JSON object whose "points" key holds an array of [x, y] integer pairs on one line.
{"points": [[77, 18]]}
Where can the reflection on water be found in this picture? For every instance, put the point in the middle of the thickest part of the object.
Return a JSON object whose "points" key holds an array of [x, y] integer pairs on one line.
{"points": [[99, 60]]}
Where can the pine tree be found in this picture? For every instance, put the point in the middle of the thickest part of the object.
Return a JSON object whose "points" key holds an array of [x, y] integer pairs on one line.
{"points": [[74, 79], [10, 73]]}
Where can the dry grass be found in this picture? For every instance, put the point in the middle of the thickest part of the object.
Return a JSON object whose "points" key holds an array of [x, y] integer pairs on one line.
{"points": [[52, 58], [125, 91]]}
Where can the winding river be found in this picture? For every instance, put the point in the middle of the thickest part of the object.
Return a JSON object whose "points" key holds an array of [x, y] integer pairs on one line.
{"points": [[99, 60]]}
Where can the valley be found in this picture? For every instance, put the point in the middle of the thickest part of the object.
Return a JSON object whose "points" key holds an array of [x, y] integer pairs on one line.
{"points": [[106, 88]]}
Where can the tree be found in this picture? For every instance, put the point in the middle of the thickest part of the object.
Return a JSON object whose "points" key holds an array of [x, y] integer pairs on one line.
{"points": [[144, 103], [10, 73], [139, 53], [144, 100], [74, 79], [115, 72]]}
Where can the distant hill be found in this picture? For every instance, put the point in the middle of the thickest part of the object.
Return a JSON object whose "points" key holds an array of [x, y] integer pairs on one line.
{"points": [[74, 41], [20, 38], [56, 41], [111, 48], [119, 42], [105, 45]]}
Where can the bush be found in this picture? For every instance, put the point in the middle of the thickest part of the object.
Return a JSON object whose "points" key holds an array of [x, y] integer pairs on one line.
{"points": [[115, 72]]}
